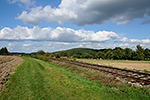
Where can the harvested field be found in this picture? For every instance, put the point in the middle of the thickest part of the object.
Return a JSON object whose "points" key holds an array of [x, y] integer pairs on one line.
{"points": [[7, 64], [133, 65]]}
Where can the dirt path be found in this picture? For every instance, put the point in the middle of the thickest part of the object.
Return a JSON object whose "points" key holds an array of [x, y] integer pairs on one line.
{"points": [[7, 64]]}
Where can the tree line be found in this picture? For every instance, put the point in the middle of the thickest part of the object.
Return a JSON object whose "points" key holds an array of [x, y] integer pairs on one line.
{"points": [[117, 53], [4, 51]]}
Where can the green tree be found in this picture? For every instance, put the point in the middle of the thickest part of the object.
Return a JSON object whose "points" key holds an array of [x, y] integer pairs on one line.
{"points": [[57, 55], [47, 54], [64, 53], [4, 51], [118, 53], [101, 55], [138, 54], [94, 55], [109, 55], [40, 52], [128, 53], [147, 53], [74, 56], [86, 55], [139, 48], [78, 56], [106, 50]]}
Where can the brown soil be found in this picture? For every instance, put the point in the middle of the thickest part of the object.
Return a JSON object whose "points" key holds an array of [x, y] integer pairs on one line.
{"points": [[7, 64]]}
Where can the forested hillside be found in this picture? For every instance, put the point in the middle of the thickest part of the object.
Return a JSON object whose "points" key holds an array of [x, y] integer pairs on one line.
{"points": [[80, 51], [116, 53]]}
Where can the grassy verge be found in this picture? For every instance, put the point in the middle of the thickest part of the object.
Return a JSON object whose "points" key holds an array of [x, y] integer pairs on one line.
{"points": [[39, 80]]}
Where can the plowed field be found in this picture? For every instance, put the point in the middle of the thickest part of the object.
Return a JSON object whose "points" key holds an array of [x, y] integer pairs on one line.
{"points": [[7, 64]]}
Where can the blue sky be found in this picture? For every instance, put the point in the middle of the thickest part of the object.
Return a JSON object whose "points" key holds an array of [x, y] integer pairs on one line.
{"points": [[53, 25]]}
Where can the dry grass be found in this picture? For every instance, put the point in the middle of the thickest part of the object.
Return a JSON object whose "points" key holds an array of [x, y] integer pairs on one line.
{"points": [[136, 65]]}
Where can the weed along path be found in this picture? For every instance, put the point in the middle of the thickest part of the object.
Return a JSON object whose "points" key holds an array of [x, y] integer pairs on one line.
{"points": [[38, 80]]}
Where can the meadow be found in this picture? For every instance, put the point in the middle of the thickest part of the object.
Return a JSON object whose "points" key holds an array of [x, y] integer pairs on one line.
{"points": [[126, 64], [35, 79]]}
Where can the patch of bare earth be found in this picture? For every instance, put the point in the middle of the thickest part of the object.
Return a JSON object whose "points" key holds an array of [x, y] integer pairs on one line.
{"points": [[7, 64]]}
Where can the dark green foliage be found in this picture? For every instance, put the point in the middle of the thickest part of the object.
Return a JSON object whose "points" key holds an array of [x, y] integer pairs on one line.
{"points": [[86, 55], [118, 53], [109, 55], [147, 54], [64, 53], [139, 54], [101, 55], [94, 55], [4, 51], [81, 51], [47, 54], [128, 53], [40, 52], [57, 55]]}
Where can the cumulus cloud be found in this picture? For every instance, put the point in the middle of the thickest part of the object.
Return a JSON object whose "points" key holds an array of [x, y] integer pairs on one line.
{"points": [[27, 3], [124, 39], [102, 46], [15, 47], [143, 41], [82, 12], [51, 46], [58, 35]]}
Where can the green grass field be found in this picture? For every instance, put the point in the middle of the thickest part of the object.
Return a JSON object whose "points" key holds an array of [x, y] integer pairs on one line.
{"points": [[38, 80]]}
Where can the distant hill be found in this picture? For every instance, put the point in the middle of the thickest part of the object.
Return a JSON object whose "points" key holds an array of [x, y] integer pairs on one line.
{"points": [[22, 53], [80, 51], [71, 52]]}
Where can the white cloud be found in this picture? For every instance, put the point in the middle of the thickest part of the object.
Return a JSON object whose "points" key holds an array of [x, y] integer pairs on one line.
{"points": [[144, 41], [53, 15], [27, 3], [15, 47], [58, 35], [124, 39], [82, 12], [51, 46]]}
